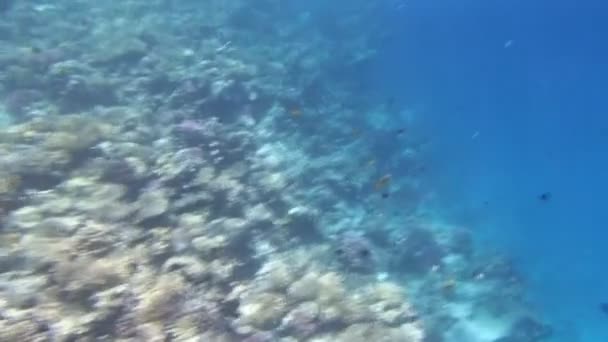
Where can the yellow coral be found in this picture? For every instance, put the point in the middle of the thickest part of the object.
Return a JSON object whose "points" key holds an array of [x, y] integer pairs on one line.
{"points": [[278, 275], [306, 288], [70, 133], [331, 288], [62, 141], [159, 301], [263, 311], [390, 294]]}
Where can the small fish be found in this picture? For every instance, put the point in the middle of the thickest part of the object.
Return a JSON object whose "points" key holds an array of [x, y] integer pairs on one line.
{"points": [[400, 131], [475, 135], [295, 112], [508, 43], [371, 162], [385, 195], [545, 197], [382, 182]]}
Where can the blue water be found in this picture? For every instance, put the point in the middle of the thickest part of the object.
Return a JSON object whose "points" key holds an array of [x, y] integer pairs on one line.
{"points": [[512, 95]]}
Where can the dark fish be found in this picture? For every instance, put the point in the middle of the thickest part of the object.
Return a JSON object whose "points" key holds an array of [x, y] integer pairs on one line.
{"points": [[545, 197], [604, 308], [400, 131], [385, 195]]}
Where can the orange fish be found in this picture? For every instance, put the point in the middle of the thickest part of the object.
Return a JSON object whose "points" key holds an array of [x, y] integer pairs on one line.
{"points": [[295, 112], [382, 182]]}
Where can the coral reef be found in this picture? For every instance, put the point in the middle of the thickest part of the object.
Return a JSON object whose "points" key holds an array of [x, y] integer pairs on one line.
{"points": [[175, 171]]}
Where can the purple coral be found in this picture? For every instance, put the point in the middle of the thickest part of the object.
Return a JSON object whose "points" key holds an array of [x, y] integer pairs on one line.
{"points": [[355, 252]]}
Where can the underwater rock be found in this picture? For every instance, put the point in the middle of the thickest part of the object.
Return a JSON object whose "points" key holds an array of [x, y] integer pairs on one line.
{"points": [[354, 252]]}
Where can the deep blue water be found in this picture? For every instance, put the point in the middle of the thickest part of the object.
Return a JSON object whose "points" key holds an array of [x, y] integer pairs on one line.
{"points": [[539, 108]]}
